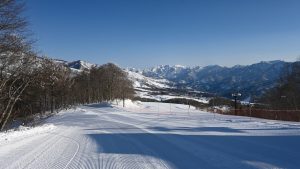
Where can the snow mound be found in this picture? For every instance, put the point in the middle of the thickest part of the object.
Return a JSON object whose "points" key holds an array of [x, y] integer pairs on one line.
{"points": [[128, 103], [23, 131]]}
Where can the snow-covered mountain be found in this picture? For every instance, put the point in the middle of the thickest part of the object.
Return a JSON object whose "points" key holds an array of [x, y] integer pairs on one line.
{"points": [[147, 87], [141, 81], [77, 66], [80, 65], [250, 80], [167, 72]]}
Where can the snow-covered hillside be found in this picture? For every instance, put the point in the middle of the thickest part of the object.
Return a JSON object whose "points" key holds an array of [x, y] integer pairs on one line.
{"points": [[158, 89], [141, 81], [151, 135]]}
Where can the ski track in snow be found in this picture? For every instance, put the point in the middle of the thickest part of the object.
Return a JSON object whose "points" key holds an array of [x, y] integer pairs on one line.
{"points": [[153, 135]]}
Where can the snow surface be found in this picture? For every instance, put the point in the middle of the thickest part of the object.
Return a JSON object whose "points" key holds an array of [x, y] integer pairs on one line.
{"points": [[158, 97], [151, 135]]}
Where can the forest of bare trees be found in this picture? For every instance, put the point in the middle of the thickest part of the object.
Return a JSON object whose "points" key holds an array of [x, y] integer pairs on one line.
{"points": [[32, 85]]}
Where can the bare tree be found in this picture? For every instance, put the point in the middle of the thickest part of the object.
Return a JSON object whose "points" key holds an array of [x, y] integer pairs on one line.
{"points": [[15, 57]]}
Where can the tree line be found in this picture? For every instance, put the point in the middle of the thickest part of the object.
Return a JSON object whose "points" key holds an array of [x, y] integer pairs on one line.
{"points": [[30, 84]]}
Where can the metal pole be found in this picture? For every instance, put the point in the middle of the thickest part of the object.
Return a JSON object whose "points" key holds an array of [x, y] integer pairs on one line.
{"points": [[235, 104]]}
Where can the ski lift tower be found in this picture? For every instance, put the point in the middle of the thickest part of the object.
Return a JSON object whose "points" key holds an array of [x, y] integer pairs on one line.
{"points": [[235, 96]]}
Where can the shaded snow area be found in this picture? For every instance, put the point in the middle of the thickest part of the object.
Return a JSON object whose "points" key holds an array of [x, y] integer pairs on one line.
{"points": [[151, 135]]}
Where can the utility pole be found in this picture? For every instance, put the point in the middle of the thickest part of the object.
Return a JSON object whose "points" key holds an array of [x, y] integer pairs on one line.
{"points": [[235, 96]]}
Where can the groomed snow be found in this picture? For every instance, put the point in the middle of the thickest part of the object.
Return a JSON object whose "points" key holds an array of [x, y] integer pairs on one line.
{"points": [[152, 135]]}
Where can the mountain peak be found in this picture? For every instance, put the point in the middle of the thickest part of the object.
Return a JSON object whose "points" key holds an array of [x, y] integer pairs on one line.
{"points": [[179, 66], [80, 65]]}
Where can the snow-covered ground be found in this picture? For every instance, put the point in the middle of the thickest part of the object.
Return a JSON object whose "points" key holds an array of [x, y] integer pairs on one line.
{"points": [[159, 97], [151, 135]]}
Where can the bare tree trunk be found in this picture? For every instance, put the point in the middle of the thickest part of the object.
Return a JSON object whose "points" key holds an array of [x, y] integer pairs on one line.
{"points": [[8, 115], [4, 112], [13, 104], [123, 102]]}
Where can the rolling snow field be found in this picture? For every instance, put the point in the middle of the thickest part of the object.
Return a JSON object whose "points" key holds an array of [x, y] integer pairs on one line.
{"points": [[151, 135]]}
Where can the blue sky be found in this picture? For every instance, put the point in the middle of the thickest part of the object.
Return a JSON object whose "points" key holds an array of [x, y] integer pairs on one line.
{"points": [[143, 33]]}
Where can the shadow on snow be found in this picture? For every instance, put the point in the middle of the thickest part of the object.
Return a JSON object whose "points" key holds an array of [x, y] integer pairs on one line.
{"points": [[201, 151]]}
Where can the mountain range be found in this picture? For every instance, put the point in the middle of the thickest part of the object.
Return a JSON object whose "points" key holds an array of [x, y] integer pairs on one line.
{"points": [[249, 80]]}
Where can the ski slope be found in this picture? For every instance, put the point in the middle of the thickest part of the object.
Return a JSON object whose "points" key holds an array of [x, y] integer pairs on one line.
{"points": [[151, 135]]}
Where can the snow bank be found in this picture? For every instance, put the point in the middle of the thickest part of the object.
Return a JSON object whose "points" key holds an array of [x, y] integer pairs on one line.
{"points": [[128, 103], [23, 131]]}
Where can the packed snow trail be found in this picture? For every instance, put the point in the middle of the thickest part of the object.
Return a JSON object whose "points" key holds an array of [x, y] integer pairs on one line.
{"points": [[151, 135]]}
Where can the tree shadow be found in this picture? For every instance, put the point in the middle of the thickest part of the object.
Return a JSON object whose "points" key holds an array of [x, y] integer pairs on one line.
{"points": [[200, 151], [165, 129], [76, 120], [198, 129], [274, 128]]}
